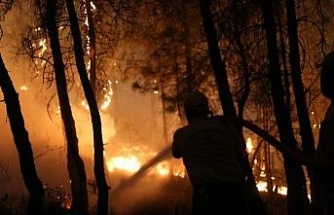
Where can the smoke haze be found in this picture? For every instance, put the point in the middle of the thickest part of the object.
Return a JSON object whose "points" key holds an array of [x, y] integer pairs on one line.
{"points": [[133, 121]]}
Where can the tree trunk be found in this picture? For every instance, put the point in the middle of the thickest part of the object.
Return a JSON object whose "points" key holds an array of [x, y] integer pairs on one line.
{"points": [[217, 63], [75, 164], [297, 192], [102, 186], [308, 143], [23, 145], [255, 202], [92, 47], [298, 87]]}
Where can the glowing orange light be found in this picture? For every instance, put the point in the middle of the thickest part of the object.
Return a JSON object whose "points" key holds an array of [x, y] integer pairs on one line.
{"points": [[24, 88], [127, 163], [249, 145], [163, 168], [179, 169]]}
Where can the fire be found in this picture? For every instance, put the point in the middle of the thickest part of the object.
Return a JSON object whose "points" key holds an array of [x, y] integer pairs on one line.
{"points": [[127, 163], [131, 159], [107, 98], [163, 168], [179, 169], [282, 190], [262, 186], [42, 46], [131, 164], [24, 88], [249, 145]]}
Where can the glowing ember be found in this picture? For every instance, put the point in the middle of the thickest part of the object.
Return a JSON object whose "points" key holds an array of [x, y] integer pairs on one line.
{"points": [[43, 45], [58, 110], [24, 88], [249, 145], [84, 104], [179, 169], [107, 96], [66, 202], [92, 5], [282, 190], [179, 174], [163, 168], [262, 186]]}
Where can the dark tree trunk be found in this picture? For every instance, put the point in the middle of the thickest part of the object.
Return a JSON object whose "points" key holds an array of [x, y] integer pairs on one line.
{"points": [[102, 186], [283, 148], [297, 192], [298, 87], [23, 145], [255, 202], [217, 63], [75, 164]]}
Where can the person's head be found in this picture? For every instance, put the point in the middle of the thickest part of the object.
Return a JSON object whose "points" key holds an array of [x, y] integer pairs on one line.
{"points": [[195, 105], [327, 76]]}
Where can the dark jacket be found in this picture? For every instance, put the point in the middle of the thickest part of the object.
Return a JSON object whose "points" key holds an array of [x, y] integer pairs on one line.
{"points": [[324, 175], [210, 149]]}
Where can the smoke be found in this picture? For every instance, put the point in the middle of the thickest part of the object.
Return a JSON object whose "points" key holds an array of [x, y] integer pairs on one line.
{"points": [[129, 123], [133, 121]]}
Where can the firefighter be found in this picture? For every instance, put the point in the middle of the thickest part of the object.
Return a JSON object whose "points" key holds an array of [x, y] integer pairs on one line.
{"points": [[324, 174], [210, 150]]}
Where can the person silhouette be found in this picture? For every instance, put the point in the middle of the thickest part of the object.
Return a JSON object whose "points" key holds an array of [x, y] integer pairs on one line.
{"points": [[324, 172], [211, 149]]}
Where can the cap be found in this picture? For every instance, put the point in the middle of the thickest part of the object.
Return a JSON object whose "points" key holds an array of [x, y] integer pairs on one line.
{"points": [[328, 60], [195, 101], [327, 76]]}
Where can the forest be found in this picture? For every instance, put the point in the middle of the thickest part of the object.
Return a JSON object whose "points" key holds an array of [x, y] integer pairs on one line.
{"points": [[91, 93]]}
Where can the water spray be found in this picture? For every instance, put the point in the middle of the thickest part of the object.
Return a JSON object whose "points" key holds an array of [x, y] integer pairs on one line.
{"points": [[164, 154]]}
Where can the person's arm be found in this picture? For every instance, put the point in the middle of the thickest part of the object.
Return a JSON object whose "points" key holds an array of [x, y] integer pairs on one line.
{"points": [[240, 147], [176, 145], [239, 142]]}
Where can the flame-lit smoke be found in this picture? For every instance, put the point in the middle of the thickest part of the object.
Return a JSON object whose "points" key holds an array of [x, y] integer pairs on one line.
{"points": [[129, 158], [49, 144]]}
